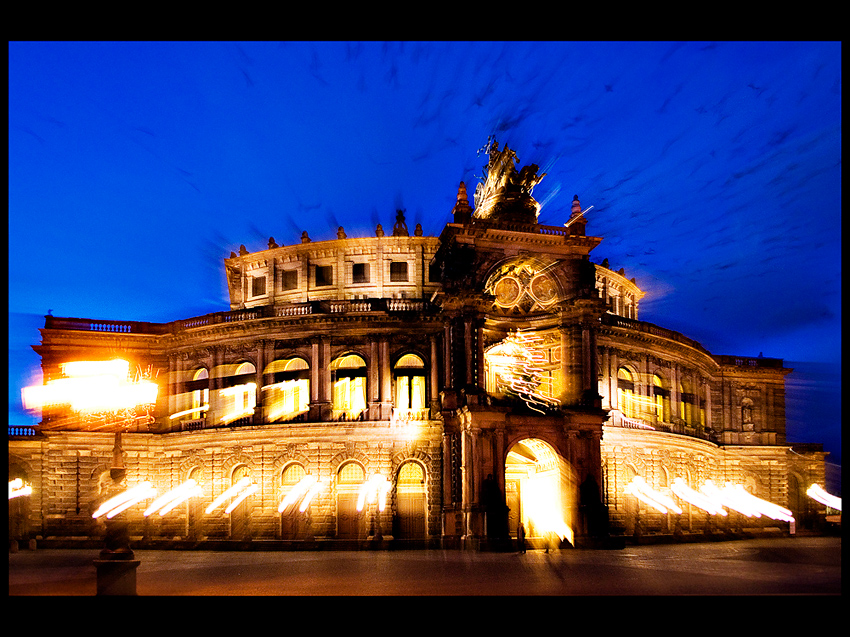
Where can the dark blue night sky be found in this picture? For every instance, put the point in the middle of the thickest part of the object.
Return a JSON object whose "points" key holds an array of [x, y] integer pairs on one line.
{"points": [[713, 169]]}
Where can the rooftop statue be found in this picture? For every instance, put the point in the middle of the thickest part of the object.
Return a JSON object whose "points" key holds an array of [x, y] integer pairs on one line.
{"points": [[505, 194]]}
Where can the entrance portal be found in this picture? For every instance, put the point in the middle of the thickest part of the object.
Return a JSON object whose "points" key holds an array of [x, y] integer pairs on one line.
{"points": [[539, 491]]}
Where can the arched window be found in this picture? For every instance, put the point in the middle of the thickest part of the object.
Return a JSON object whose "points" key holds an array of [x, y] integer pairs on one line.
{"points": [[661, 398], [348, 377], [288, 393], [410, 501], [626, 393], [687, 403], [200, 393], [238, 395], [350, 524], [239, 516], [409, 379]]}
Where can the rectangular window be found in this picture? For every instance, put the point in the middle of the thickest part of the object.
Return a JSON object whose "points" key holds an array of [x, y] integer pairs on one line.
{"points": [[289, 279], [324, 275], [398, 271], [258, 286], [434, 273], [360, 273]]}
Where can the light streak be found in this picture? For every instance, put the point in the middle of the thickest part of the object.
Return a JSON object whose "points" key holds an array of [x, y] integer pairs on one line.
{"points": [[316, 486], [816, 492], [188, 411], [92, 387], [375, 488], [728, 499], [236, 488], [171, 499], [245, 493], [17, 488], [657, 500], [734, 496], [696, 498], [301, 489], [763, 507], [125, 500], [518, 363]]}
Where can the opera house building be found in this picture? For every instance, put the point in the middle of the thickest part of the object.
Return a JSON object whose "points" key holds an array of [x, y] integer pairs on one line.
{"points": [[401, 390]]}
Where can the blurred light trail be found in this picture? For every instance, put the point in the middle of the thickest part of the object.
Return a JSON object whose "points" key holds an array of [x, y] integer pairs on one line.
{"points": [[90, 387], [251, 488], [696, 498], [167, 501], [298, 491], [375, 488], [125, 500], [816, 492], [232, 491], [657, 500], [17, 488]]}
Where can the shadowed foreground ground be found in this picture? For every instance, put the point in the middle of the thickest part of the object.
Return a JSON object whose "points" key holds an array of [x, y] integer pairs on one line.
{"points": [[775, 566]]}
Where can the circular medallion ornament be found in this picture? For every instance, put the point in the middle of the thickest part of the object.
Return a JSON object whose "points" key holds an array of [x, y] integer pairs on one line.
{"points": [[507, 291], [543, 289]]}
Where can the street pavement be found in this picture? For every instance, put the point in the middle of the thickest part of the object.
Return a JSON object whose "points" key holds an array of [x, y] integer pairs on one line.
{"points": [[772, 566]]}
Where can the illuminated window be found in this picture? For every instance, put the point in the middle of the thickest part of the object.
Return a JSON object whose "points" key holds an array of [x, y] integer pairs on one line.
{"points": [[351, 473], [409, 374], [200, 393], [258, 285], [626, 393], [238, 397], [687, 403], [288, 393], [289, 279], [292, 475], [360, 273], [324, 275], [661, 399], [348, 376], [398, 271]]}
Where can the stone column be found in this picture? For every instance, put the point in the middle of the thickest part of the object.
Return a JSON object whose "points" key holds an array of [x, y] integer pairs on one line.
{"points": [[259, 412], [435, 386]]}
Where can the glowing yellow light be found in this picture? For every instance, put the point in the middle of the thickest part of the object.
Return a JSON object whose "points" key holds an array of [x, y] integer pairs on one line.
{"points": [[125, 500], [169, 500], [518, 362], [314, 489], [245, 493], [245, 401], [816, 492], [375, 488], [17, 488], [657, 500], [540, 498], [696, 498], [304, 485], [194, 491], [90, 387], [188, 411], [728, 499], [236, 488]]}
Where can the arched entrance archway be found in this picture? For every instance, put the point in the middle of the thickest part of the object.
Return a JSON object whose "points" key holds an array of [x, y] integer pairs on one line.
{"points": [[240, 515], [350, 522], [540, 492], [410, 501]]}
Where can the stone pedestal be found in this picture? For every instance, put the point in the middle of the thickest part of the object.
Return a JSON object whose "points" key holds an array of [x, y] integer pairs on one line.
{"points": [[116, 576]]}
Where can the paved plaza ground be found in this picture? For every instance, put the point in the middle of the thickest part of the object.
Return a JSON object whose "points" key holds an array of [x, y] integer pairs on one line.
{"points": [[773, 566]]}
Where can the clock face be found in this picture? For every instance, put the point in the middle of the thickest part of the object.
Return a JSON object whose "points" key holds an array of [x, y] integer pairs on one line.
{"points": [[521, 289]]}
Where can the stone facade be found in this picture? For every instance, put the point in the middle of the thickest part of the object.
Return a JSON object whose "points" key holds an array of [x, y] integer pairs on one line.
{"points": [[471, 371]]}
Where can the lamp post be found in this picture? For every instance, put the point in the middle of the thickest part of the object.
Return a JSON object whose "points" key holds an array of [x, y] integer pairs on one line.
{"points": [[116, 565]]}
